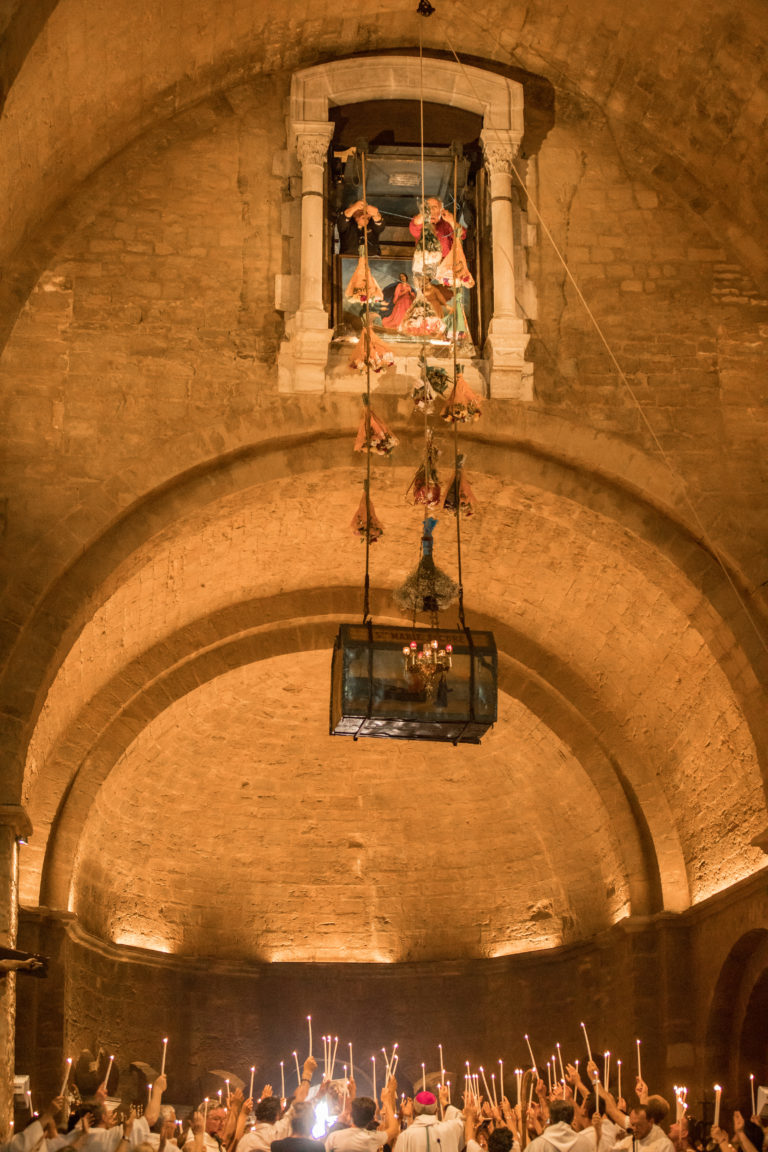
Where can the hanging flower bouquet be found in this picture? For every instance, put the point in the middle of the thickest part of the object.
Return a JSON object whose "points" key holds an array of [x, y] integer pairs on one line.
{"points": [[463, 405], [460, 496], [454, 259], [421, 319], [363, 287], [362, 526], [425, 484], [372, 351], [428, 252], [380, 440]]}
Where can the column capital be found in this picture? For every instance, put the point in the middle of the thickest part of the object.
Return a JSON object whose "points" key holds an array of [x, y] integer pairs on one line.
{"points": [[14, 816], [499, 150], [312, 140]]}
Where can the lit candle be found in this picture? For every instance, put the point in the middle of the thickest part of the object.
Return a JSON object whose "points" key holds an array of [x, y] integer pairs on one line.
{"points": [[448, 1086], [501, 1080], [68, 1069], [298, 1070], [165, 1050], [228, 1092], [219, 1097], [282, 1080], [351, 1065], [333, 1058], [29, 1100], [618, 1075], [485, 1084], [309, 1025], [442, 1069], [373, 1074], [423, 1077], [549, 1077], [597, 1094], [530, 1051], [105, 1081], [149, 1093], [639, 1065], [253, 1073], [752, 1091], [606, 1069], [718, 1093], [386, 1067], [476, 1079], [493, 1086], [560, 1058], [586, 1038], [393, 1067], [519, 1085], [530, 1094], [205, 1115]]}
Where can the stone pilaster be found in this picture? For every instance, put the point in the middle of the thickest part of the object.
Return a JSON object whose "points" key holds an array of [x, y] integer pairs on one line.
{"points": [[507, 338], [13, 823]]}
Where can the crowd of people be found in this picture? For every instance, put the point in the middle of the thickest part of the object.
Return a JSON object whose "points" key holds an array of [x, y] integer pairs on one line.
{"points": [[574, 1114]]}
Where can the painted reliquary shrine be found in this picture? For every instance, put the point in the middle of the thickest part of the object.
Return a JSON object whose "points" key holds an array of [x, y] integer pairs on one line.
{"points": [[410, 229]]}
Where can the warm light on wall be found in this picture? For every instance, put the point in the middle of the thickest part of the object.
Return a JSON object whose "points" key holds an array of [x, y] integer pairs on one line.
{"points": [[141, 940]]}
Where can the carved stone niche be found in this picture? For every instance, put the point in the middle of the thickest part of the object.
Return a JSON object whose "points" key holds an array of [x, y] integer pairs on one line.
{"points": [[303, 357]]}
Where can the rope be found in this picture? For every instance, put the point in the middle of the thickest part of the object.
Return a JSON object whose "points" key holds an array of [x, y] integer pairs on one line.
{"points": [[367, 403], [676, 476], [456, 469]]}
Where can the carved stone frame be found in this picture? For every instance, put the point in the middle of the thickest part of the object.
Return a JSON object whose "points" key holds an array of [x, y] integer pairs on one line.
{"points": [[303, 354]]}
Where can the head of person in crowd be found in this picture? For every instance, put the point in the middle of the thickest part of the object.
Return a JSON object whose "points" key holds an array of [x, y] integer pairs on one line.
{"points": [[656, 1109], [215, 1120], [268, 1110], [363, 1110], [302, 1118], [424, 1104], [501, 1140], [640, 1123], [560, 1112]]}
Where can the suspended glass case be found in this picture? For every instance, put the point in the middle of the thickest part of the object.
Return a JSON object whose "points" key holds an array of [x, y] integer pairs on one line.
{"points": [[373, 693]]}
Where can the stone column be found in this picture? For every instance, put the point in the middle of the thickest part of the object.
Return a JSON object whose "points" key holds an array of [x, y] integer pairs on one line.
{"points": [[304, 360], [507, 338], [14, 822]]}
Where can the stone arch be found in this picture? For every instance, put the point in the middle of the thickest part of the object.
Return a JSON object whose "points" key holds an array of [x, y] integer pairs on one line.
{"points": [[742, 985], [261, 629]]}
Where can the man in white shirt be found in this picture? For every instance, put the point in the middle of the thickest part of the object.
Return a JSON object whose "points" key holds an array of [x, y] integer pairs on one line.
{"points": [[644, 1134], [270, 1125], [427, 1133], [559, 1135], [361, 1138]]}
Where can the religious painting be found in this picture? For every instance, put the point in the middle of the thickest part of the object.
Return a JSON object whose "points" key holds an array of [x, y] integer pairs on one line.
{"points": [[407, 304]]}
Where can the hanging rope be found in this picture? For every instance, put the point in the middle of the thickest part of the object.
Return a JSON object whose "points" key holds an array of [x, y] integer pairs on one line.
{"points": [[367, 403], [456, 463], [706, 539]]}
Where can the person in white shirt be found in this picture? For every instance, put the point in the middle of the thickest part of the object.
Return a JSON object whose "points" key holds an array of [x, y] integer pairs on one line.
{"points": [[645, 1134], [427, 1133], [361, 1138], [560, 1135], [270, 1125]]}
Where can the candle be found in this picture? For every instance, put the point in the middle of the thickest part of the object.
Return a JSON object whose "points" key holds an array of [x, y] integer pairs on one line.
{"points": [[493, 1086], [386, 1066], [560, 1058], [639, 1066], [253, 1073], [333, 1057], [205, 1115], [351, 1065], [309, 1025], [105, 1081], [618, 1076], [395, 1059], [586, 1038], [373, 1074], [501, 1079], [485, 1084], [549, 1077], [606, 1069], [442, 1069], [530, 1094], [718, 1092], [519, 1085], [149, 1093], [448, 1086], [530, 1051], [228, 1092], [423, 1077], [752, 1092], [165, 1049], [29, 1100], [282, 1080], [298, 1071], [68, 1069]]}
